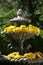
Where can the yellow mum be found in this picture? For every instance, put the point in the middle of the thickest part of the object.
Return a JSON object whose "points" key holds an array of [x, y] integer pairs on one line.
{"points": [[30, 55], [9, 28], [23, 28], [17, 29]]}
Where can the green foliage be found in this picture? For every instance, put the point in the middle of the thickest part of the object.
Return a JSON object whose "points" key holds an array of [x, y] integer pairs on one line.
{"points": [[41, 34], [3, 43]]}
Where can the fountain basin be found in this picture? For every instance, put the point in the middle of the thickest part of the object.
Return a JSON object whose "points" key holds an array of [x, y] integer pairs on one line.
{"points": [[19, 35], [24, 61]]}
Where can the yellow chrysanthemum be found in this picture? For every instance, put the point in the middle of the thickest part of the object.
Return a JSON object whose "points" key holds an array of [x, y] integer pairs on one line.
{"points": [[23, 28], [30, 55], [39, 54], [9, 28], [38, 31], [17, 29]]}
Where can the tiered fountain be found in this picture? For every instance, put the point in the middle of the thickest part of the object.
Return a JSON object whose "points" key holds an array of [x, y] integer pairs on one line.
{"points": [[20, 37]]}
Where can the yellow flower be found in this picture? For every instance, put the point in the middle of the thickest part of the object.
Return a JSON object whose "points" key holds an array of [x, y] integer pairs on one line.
{"points": [[17, 57], [9, 28], [11, 56], [17, 29], [39, 55], [5, 30], [23, 26], [38, 31], [30, 55]]}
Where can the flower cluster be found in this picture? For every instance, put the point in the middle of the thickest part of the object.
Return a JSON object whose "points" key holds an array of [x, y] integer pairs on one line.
{"points": [[30, 55], [23, 28]]}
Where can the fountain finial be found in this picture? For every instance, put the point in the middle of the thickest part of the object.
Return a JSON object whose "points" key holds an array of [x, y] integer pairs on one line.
{"points": [[20, 12], [20, 20]]}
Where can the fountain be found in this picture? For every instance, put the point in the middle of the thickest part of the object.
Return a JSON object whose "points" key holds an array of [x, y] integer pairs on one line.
{"points": [[20, 37]]}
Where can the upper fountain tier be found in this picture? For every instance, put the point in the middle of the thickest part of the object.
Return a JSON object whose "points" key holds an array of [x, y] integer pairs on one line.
{"points": [[20, 19]]}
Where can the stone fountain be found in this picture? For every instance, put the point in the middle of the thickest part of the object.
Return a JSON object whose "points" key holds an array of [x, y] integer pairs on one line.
{"points": [[20, 37]]}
